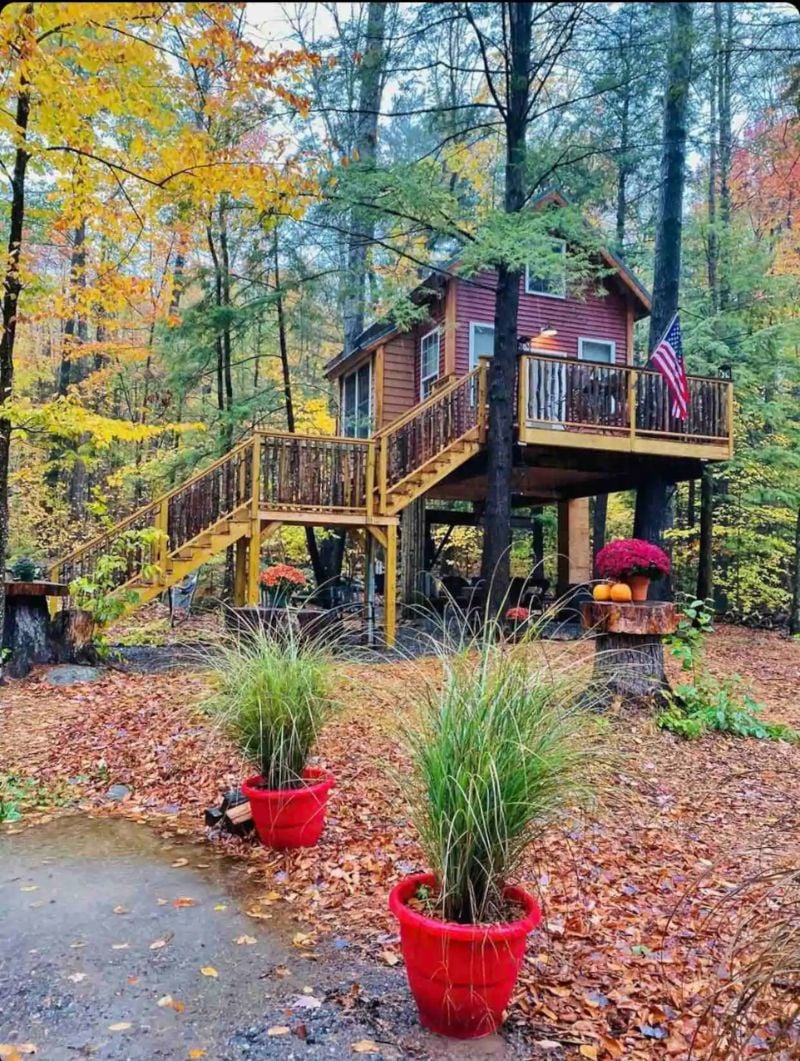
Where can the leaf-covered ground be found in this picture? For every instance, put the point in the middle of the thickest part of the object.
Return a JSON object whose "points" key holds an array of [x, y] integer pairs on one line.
{"points": [[633, 946]]}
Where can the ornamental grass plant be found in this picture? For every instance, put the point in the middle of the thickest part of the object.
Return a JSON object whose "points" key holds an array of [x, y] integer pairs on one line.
{"points": [[502, 749], [272, 696]]}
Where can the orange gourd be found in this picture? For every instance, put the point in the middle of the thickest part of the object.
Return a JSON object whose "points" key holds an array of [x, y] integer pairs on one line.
{"points": [[621, 593], [602, 591]]}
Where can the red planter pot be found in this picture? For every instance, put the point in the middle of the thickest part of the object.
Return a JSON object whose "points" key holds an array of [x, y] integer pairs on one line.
{"points": [[290, 817], [461, 976]]}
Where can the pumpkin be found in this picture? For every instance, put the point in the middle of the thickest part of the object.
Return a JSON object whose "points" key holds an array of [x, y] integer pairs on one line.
{"points": [[621, 593], [602, 591]]}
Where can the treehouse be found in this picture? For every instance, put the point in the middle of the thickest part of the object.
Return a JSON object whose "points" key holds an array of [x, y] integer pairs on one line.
{"points": [[412, 424]]}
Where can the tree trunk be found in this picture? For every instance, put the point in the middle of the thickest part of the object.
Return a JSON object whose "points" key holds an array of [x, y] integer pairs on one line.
{"points": [[794, 618], [320, 574], [412, 554], [725, 145], [11, 290], [495, 561], [712, 250], [652, 497], [537, 542], [371, 78], [705, 566]]}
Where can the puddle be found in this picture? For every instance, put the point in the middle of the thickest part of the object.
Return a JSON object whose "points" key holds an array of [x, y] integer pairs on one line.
{"points": [[119, 944]]}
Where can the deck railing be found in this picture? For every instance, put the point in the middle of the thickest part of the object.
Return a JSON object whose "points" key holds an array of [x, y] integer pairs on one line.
{"points": [[563, 394], [320, 473], [428, 429]]}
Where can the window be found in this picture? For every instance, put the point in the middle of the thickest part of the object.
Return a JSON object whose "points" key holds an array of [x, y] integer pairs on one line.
{"points": [[603, 350], [357, 402], [428, 362], [555, 284], [481, 342]]}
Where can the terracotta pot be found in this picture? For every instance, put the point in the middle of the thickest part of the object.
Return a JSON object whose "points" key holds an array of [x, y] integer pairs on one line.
{"points": [[461, 976], [290, 817], [639, 586]]}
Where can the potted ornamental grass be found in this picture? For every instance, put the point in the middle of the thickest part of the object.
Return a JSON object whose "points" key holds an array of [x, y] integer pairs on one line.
{"points": [[633, 561], [272, 697], [499, 752]]}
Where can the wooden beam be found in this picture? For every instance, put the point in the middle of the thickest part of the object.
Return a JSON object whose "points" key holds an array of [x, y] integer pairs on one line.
{"points": [[379, 534], [574, 563], [316, 518], [390, 587], [240, 573], [450, 326], [254, 544], [377, 387]]}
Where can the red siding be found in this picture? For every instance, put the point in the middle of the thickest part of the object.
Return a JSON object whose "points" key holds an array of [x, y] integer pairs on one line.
{"points": [[595, 317], [436, 318]]}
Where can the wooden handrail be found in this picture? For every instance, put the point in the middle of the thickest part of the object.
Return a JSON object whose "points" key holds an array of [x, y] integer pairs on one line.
{"points": [[415, 410], [566, 360], [117, 528], [303, 437]]}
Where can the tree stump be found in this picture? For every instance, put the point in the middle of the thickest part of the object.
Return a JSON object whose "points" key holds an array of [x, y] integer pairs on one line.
{"points": [[26, 632], [629, 649]]}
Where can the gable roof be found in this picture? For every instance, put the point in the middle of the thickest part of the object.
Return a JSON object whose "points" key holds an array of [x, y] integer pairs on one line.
{"points": [[386, 328]]}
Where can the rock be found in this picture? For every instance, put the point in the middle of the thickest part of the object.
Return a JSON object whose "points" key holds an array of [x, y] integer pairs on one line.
{"points": [[71, 674], [118, 793]]}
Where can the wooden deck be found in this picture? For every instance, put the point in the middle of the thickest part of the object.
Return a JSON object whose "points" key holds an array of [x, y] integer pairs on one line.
{"points": [[274, 478]]}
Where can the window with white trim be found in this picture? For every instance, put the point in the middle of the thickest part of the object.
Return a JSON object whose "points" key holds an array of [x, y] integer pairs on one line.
{"points": [[357, 402], [601, 350], [554, 285], [481, 342], [428, 362]]}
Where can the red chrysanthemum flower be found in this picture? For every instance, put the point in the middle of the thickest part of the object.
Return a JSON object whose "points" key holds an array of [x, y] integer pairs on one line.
{"points": [[632, 556]]}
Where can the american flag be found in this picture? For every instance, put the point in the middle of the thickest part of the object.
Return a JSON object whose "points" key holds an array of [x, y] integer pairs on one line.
{"points": [[668, 359]]}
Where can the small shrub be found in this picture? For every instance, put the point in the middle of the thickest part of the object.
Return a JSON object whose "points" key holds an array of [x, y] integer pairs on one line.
{"points": [[499, 752], [625, 557], [272, 698], [708, 704]]}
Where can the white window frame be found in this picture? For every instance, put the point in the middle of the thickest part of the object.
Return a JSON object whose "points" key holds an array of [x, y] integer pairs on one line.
{"points": [[548, 294], [607, 342], [473, 361], [346, 376], [431, 377]]}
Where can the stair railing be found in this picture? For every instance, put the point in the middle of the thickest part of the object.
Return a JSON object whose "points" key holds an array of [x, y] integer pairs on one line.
{"points": [[428, 429], [181, 514]]}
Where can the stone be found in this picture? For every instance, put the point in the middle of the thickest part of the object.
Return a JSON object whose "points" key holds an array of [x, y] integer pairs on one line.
{"points": [[71, 674], [118, 793]]}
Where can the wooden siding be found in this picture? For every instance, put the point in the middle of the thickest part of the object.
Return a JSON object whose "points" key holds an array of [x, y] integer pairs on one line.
{"points": [[399, 376], [595, 317]]}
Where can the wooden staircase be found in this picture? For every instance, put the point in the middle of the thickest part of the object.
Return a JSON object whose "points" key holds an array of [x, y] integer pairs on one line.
{"points": [[273, 478]]}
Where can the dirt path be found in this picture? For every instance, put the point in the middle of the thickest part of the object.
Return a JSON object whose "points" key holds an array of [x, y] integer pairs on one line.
{"points": [[120, 944]]}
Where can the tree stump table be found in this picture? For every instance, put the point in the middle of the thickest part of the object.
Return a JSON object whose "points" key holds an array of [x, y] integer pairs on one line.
{"points": [[27, 633], [629, 648]]}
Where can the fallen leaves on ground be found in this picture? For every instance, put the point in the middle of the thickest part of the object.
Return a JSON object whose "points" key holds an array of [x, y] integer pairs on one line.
{"points": [[629, 952], [168, 1002]]}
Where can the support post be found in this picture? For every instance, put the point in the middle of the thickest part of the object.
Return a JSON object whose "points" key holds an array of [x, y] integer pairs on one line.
{"points": [[240, 573], [254, 543], [369, 586], [162, 551], [390, 587], [370, 499], [574, 553], [632, 378]]}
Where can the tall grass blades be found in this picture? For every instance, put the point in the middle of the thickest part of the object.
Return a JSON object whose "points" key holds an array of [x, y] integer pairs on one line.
{"points": [[499, 752], [272, 697]]}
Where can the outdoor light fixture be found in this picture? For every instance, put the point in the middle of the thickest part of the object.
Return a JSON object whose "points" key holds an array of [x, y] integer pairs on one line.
{"points": [[548, 331]]}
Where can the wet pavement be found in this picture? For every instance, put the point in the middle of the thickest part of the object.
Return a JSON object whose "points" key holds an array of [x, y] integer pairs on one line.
{"points": [[118, 944]]}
